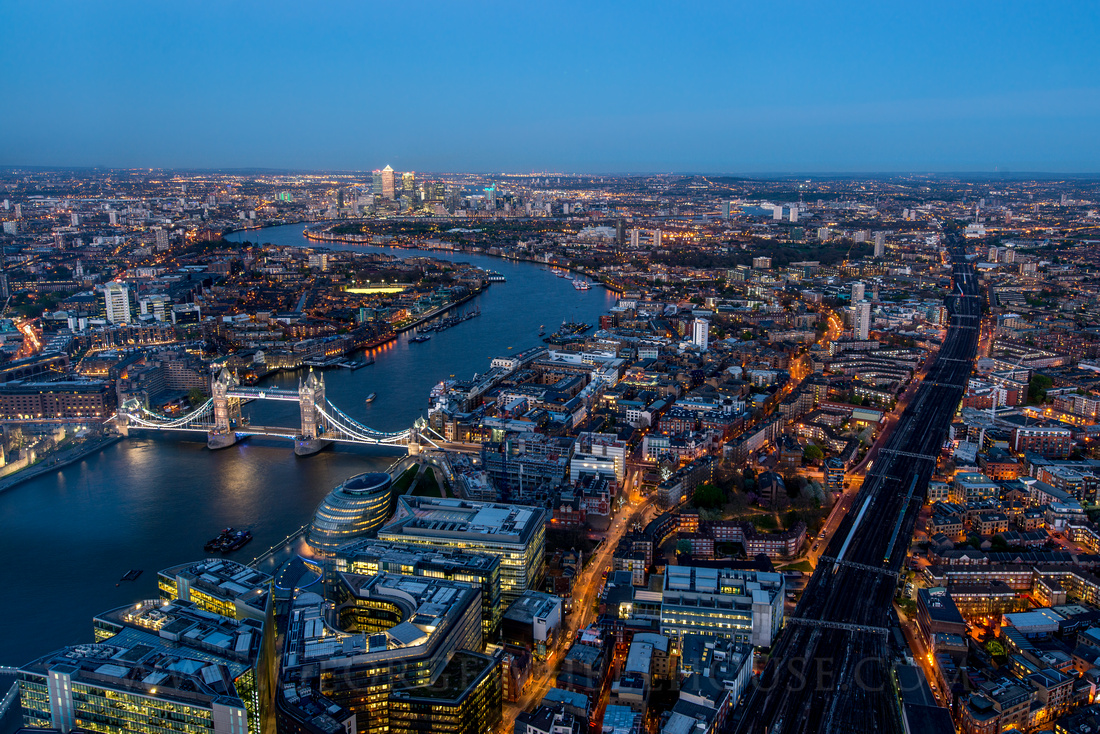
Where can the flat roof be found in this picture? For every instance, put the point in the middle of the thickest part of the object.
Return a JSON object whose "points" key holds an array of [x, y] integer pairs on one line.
{"points": [[447, 517], [1035, 619], [387, 552], [222, 577], [569, 698], [182, 652], [531, 604], [429, 607], [940, 606]]}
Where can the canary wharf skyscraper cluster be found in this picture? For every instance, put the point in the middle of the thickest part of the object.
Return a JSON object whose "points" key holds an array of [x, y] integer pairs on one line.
{"points": [[749, 443], [696, 368]]}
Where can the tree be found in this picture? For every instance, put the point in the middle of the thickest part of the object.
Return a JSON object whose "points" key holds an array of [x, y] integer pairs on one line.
{"points": [[683, 546], [708, 495], [1037, 388], [196, 396], [813, 453]]}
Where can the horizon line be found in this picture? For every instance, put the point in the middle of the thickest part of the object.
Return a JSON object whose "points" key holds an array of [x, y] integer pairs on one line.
{"points": [[762, 175]]}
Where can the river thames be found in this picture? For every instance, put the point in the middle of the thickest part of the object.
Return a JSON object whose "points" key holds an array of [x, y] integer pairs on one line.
{"points": [[151, 501]]}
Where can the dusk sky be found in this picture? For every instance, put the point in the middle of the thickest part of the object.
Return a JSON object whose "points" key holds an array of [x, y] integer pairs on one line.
{"points": [[572, 87]]}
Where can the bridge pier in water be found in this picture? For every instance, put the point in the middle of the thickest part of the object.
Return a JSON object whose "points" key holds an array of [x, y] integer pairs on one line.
{"points": [[322, 423], [311, 394], [227, 411]]}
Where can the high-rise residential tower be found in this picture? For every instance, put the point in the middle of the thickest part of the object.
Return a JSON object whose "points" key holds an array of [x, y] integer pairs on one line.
{"points": [[700, 333], [116, 301], [861, 319]]}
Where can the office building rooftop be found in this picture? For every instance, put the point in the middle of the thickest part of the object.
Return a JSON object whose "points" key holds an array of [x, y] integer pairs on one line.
{"points": [[532, 605], [226, 580], [428, 610], [454, 518], [390, 556], [172, 651], [939, 605]]}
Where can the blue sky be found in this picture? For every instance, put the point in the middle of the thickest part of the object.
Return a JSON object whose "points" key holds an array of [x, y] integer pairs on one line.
{"points": [[587, 86]]}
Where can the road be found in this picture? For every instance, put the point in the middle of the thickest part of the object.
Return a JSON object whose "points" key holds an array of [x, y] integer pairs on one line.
{"points": [[828, 669], [922, 655], [31, 341], [584, 602], [856, 476]]}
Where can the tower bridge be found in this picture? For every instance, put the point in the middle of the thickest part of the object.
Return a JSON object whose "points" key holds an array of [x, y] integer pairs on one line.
{"points": [[322, 423]]}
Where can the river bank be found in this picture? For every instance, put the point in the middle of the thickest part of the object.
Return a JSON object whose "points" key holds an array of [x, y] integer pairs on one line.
{"points": [[151, 501], [58, 461], [324, 237]]}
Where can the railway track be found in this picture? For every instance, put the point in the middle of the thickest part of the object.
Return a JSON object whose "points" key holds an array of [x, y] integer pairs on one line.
{"points": [[830, 668]]}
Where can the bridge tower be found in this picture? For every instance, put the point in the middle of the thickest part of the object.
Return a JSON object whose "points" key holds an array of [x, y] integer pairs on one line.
{"points": [[311, 395], [227, 411], [418, 425]]}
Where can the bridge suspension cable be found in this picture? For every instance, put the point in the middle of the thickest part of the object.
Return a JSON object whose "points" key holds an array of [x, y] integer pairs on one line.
{"points": [[357, 430], [343, 426], [161, 421]]}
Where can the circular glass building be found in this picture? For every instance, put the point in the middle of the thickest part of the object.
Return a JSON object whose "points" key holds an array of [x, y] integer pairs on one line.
{"points": [[355, 509]]}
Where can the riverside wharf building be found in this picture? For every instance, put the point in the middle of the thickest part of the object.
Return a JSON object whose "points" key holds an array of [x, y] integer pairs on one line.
{"points": [[156, 666]]}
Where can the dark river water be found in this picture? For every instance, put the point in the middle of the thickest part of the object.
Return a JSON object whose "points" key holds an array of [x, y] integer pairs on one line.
{"points": [[152, 500]]}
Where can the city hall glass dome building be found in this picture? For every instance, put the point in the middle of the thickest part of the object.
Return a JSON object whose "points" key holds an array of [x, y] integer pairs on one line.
{"points": [[355, 509]]}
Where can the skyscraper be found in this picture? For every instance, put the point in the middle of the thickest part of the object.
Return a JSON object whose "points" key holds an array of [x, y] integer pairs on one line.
{"points": [[858, 291], [116, 301], [376, 183], [408, 182], [387, 182], [638, 237], [880, 244], [700, 333], [861, 319]]}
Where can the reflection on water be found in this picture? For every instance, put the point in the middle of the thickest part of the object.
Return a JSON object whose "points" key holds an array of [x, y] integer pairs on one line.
{"points": [[152, 501]]}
